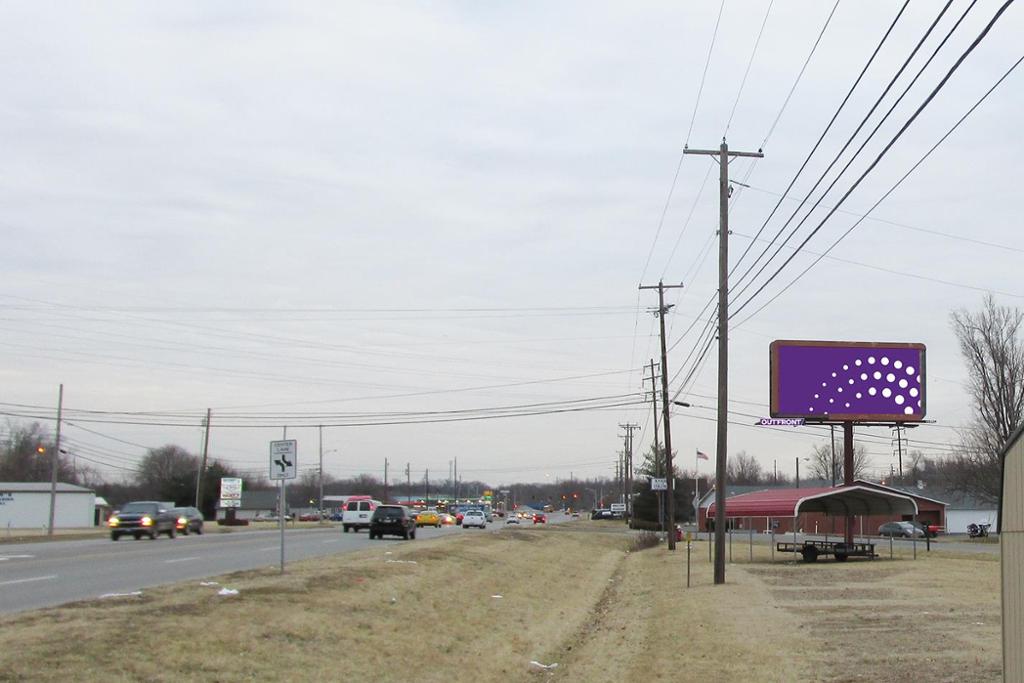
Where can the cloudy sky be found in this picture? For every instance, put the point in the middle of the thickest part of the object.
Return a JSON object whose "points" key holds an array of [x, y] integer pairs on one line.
{"points": [[351, 213]]}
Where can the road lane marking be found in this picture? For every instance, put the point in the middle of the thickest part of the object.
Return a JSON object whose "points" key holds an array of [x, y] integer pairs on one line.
{"points": [[4, 558], [180, 559], [35, 578], [331, 540], [271, 547]]}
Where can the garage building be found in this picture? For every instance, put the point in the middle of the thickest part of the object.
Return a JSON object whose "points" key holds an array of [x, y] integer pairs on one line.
{"points": [[26, 505], [1011, 542]]}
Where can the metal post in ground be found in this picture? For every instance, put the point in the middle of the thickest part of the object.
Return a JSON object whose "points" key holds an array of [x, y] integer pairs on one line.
{"points": [[730, 544], [890, 547], [751, 530], [688, 544], [773, 544]]}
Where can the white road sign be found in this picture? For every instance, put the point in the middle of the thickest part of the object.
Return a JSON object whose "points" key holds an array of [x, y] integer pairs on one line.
{"points": [[283, 460], [231, 502], [659, 484]]}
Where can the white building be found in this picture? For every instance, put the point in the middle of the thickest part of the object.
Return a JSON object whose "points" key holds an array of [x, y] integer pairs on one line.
{"points": [[26, 505]]}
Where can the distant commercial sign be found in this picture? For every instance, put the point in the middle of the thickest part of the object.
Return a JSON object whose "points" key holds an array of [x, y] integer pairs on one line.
{"points": [[856, 381], [617, 507], [230, 488], [781, 422], [659, 484], [231, 502]]}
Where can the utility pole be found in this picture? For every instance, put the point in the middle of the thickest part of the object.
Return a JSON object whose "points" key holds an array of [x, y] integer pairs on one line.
{"points": [[899, 450], [721, 455], [669, 471], [654, 402], [54, 460], [385, 480], [320, 508], [202, 465], [426, 487], [797, 471], [630, 428], [832, 429], [455, 481], [408, 484]]}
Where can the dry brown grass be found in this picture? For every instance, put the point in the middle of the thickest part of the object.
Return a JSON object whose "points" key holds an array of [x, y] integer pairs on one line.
{"points": [[424, 611]]}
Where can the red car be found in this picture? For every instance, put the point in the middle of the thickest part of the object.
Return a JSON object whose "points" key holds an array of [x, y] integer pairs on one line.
{"points": [[540, 518]]}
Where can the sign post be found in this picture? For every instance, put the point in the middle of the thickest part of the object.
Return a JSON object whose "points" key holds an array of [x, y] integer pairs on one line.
{"points": [[283, 466]]}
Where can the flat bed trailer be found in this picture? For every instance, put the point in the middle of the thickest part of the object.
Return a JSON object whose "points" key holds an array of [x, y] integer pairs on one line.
{"points": [[812, 550]]}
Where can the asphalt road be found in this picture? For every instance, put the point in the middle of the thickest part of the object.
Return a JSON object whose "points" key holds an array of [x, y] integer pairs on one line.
{"points": [[43, 574]]}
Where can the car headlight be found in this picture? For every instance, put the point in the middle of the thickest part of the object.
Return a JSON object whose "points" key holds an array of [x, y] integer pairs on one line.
{"points": [[147, 521], [113, 521]]}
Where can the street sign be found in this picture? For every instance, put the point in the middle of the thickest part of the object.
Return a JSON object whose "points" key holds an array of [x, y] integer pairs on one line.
{"points": [[659, 484], [231, 502], [617, 507], [283, 459]]}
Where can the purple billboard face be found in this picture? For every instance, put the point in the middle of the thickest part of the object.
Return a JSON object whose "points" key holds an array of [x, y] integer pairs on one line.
{"points": [[857, 381]]}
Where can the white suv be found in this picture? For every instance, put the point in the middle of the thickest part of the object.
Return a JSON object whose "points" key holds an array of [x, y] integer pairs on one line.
{"points": [[474, 518]]}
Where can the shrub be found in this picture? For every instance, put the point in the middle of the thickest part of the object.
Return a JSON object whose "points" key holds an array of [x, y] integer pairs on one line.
{"points": [[644, 540]]}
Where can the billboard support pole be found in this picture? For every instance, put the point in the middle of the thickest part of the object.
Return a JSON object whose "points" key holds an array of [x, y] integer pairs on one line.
{"points": [[848, 473]]}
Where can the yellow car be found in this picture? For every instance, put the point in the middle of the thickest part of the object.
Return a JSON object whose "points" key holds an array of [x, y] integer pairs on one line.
{"points": [[428, 518]]}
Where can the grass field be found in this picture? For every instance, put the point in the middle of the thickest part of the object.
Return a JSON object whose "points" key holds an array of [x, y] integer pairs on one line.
{"points": [[482, 606]]}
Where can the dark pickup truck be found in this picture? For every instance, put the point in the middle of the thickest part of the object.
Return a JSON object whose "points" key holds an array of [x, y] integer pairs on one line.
{"points": [[143, 518]]}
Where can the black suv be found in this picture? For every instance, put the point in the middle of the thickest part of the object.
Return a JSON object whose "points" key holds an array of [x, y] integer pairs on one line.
{"points": [[142, 518], [394, 520]]}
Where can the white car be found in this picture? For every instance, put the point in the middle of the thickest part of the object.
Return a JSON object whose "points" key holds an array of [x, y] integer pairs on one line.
{"points": [[512, 519], [474, 518]]}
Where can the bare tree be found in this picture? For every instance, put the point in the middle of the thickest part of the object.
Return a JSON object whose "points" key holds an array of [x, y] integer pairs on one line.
{"points": [[821, 462], [743, 469], [992, 349]]}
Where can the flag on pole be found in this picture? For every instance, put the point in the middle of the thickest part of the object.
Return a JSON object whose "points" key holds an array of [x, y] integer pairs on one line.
{"points": [[702, 456]]}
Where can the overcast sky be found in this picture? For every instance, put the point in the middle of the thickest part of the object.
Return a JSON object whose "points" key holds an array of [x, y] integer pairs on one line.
{"points": [[280, 209]]}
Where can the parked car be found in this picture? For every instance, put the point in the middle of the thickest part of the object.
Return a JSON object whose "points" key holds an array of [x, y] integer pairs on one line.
{"points": [[143, 518], [901, 529], [393, 520], [272, 517], [358, 513], [188, 520], [475, 518], [428, 518], [310, 517], [540, 518], [601, 513], [929, 530]]}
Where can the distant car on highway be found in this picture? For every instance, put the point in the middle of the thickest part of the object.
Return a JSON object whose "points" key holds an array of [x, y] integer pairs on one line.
{"points": [[601, 513], [428, 518], [540, 518], [142, 518], [446, 519], [902, 529], [475, 518], [393, 520], [512, 519], [188, 520]]}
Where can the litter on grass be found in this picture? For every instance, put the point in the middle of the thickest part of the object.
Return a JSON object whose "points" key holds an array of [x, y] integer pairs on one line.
{"points": [[121, 595], [537, 666], [227, 591], [497, 596], [400, 562], [208, 583]]}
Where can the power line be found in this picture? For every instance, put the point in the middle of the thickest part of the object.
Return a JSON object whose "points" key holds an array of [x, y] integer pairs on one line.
{"points": [[821, 137], [707, 63], [888, 146], [750, 63], [883, 197]]}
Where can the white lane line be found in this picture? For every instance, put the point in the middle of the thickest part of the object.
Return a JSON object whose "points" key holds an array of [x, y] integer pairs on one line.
{"points": [[4, 558], [180, 559], [331, 540], [271, 547], [35, 578]]}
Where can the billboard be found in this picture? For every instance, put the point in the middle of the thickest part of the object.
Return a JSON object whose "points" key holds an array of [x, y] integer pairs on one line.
{"points": [[857, 381]]}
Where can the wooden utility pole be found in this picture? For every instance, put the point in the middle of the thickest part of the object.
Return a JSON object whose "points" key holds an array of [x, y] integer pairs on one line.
{"points": [[654, 402], [385, 480], [54, 460], [629, 427], [202, 464], [669, 471], [721, 455], [320, 502], [408, 483]]}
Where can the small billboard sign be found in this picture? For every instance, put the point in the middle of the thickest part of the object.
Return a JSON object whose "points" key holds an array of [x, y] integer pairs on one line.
{"points": [[230, 488], [659, 484], [854, 381]]}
